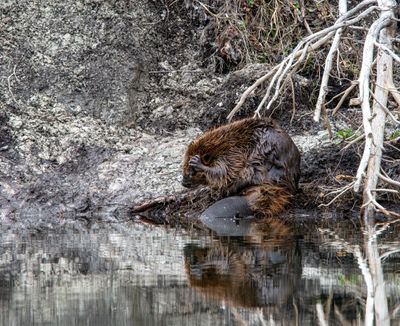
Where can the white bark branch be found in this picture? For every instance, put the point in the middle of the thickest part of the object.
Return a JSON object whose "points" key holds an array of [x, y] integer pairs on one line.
{"points": [[323, 91], [384, 107], [388, 51], [364, 81], [345, 94], [389, 180]]}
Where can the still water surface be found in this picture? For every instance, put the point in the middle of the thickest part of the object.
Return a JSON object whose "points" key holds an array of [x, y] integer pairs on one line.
{"points": [[280, 275]]}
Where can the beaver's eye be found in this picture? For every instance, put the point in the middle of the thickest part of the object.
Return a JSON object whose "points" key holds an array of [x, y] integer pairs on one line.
{"points": [[206, 158]]}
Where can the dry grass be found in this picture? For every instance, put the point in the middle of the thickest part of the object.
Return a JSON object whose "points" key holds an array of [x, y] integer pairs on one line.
{"points": [[246, 31]]}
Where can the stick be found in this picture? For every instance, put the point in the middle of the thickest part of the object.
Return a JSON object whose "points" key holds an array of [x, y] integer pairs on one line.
{"points": [[389, 180], [345, 94], [353, 142], [384, 108], [364, 78], [341, 190], [388, 51], [328, 64]]}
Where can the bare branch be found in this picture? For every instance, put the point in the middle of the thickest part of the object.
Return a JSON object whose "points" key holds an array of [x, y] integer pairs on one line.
{"points": [[328, 64], [384, 107], [379, 207], [355, 140], [385, 190], [345, 94], [387, 254], [341, 191], [388, 51], [389, 180], [248, 91], [364, 80]]}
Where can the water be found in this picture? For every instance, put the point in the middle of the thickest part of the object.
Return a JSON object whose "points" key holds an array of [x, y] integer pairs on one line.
{"points": [[304, 275]]}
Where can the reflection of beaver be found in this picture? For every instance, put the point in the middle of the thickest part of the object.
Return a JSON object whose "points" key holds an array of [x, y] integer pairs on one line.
{"points": [[247, 272], [252, 157]]}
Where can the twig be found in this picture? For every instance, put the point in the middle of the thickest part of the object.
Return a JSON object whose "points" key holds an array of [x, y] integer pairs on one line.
{"points": [[384, 107], [353, 142], [341, 191], [389, 180], [345, 94], [388, 51], [206, 9], [9, 84], [303, 17]]}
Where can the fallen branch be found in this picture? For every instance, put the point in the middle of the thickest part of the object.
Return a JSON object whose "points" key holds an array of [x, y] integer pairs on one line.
{"points": [[341, 192], [346, 93], [384, 107], [388, 51], [389, 180], [361, 137], [364, 80], [323, 91]]}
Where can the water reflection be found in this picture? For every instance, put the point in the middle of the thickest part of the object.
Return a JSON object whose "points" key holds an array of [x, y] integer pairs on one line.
{"points": [[278, 274]]}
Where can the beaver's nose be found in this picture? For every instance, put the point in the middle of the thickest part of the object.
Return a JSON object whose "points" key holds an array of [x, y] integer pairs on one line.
{"points": [[186, 182]]}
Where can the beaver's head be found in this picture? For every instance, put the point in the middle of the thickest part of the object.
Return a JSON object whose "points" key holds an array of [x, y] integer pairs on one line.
{"points": [[190, 177]]}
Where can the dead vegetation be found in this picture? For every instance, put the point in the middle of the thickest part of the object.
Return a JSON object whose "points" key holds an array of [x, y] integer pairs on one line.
{"points": [[248, 31]]}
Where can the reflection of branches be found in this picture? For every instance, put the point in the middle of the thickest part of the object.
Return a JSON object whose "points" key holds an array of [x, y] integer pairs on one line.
{"points": [[353, 249], [383, 227], [371, 269], [321, 316], [388, 253]]}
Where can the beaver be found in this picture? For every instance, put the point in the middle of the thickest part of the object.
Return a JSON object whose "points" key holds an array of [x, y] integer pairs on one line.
{"points": [[252, 157]]}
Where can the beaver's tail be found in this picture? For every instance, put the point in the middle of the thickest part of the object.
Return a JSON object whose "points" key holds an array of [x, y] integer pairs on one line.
{"points": [[268, 199]]}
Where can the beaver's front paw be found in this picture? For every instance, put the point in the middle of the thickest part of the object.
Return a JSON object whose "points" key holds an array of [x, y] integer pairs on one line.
{"points": [[196, 164]]}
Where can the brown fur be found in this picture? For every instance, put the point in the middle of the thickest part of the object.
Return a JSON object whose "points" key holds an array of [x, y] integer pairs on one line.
{"points": [[268, 199], [253, 157]]}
